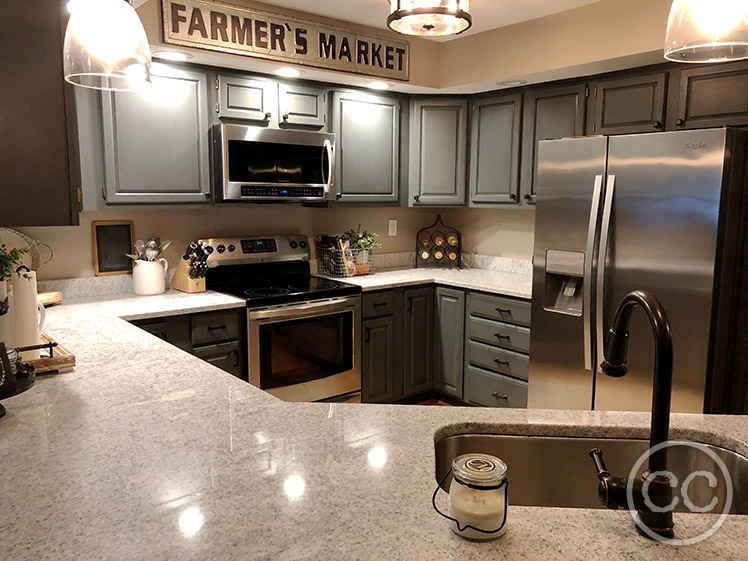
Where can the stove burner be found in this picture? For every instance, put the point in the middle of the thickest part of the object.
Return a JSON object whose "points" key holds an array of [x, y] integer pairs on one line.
{"points": [[269, 291]]}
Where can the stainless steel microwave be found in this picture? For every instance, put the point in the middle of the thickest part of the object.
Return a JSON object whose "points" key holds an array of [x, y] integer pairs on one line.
{"points": [[256, 164]]}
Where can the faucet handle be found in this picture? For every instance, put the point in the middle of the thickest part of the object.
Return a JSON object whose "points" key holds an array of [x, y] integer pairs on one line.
{"points": [[597, 457], [611, 490]]}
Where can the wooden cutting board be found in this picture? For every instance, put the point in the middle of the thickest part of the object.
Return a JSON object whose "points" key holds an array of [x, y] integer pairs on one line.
{"points": [[49, 298]]}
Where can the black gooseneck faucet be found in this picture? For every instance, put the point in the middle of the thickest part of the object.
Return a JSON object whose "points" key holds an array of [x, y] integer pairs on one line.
{"points": [[612, 490]]}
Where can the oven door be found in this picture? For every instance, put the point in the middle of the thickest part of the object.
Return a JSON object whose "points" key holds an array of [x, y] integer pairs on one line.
{"points": [[306, 352]]}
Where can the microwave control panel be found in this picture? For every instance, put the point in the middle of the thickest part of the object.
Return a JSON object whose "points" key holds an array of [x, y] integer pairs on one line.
{"points": [[281, 191]]}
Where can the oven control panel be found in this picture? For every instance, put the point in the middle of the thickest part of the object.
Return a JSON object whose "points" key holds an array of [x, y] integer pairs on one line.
{"points": [[257, 249]]}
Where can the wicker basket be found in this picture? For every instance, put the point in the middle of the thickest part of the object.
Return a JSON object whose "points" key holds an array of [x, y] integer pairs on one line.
{"points": [[333, 262]]}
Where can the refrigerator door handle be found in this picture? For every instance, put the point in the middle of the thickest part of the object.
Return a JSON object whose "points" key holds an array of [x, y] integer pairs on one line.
{"points": [[601, 261], [591, 232]]}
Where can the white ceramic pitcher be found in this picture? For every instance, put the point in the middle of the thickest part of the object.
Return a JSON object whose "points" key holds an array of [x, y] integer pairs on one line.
{"points": [[149, 277]]}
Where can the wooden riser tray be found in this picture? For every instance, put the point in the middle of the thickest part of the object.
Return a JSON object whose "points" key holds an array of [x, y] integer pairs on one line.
{"points": [[61, 361]]}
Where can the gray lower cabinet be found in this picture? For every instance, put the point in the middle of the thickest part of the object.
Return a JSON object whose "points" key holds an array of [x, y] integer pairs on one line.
{"points": [[494, 150], [367, 163], [634, 104], [418, 338], [302, 106], [156, 146], [713, 96], [378, 360], [215, 337], [548, 113], [438, 151], [449, 325], [249, 99], [493, 390]]}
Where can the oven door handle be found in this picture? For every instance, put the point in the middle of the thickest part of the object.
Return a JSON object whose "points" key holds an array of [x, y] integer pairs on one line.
{"points": [[301, 311]]}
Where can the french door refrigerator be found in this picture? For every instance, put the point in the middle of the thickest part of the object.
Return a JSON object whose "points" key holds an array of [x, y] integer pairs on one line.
{"points": [[658, 212]]}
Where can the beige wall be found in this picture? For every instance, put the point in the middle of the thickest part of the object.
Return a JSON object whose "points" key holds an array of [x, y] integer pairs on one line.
{"points": [[507, 233]]}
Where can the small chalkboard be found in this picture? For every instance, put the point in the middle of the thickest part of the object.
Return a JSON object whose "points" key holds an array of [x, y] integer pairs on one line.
{"points": [[112, 239]]}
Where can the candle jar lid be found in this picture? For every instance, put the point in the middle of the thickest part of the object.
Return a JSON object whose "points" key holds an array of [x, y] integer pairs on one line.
{"points": [[481, 471]]}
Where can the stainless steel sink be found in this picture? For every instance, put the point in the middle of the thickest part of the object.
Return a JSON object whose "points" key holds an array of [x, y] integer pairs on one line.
{"points": [[557, 471]]}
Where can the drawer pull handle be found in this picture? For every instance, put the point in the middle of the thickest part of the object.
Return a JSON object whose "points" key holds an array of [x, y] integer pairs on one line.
{"points": [[367, 335], [216, 328], [379, 304], [504, 311], [498, 395], [501, 362], [500, 336]]}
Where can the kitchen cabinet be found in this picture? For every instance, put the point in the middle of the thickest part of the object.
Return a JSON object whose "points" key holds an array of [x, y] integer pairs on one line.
{"points": [[367, 163], [249, 99], [418, 338], [438, 151], [302, 106], [379, 366], [215, 337], [39, 160], [156, 147], [494, 150], [712, 96], [631, 104], [549, 112], [449, 341]]}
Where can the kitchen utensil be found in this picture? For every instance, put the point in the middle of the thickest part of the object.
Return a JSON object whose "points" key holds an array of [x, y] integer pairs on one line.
{"points": [[151, 251], [139, 248], [132, 256], [149, 277], [190, 251], [34, 258], [164, 246], [29, 314]]}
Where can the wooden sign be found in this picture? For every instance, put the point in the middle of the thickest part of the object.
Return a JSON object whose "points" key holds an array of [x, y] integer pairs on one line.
{"points": [[243, 31]]}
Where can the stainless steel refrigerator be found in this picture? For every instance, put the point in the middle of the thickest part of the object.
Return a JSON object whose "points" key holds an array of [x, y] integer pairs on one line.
{"points": [[659, 212]]}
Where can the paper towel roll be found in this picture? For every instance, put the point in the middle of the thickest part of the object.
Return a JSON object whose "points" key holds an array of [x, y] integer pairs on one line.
{"points": [[26, 312], [7, 327]]}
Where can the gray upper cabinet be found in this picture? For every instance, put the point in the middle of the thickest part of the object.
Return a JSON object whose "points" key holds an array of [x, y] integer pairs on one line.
{"points": [[713, 96], [633, 104], [494, 150], [367, 163], [302, 106], [156, 141], [549, 113], [249, 99], [449, 341], [418, 338], [438, 151]]}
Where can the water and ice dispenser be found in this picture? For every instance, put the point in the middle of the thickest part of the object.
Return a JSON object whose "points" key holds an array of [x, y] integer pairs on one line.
{"points": [[564, 284]]}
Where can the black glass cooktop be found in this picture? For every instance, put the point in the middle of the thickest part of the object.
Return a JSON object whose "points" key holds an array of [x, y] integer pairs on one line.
{"points": [[272, 291]]}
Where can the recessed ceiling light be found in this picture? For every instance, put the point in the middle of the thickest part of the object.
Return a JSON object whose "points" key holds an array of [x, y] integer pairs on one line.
{"points": [[171, 55], [288, 72], [378, 85], [512, 83]]}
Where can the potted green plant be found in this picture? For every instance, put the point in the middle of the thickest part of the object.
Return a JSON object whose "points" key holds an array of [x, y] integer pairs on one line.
{"points": [[9, 260], [362, 242]]}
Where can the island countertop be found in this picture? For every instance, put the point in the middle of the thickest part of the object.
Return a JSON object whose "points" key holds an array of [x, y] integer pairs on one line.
{"points": [[145, 452]]}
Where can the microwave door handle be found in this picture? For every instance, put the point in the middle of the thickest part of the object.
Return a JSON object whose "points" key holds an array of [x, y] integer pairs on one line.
{"points": [[601, 262], [330, 153], [591, 232]]}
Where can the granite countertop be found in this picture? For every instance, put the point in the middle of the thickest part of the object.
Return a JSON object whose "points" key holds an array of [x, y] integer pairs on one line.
{"points": [[145, 452]]}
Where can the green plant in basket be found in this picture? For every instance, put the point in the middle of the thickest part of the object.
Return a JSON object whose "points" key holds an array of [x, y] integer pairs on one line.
{"points": [[362, 240], [9, 259]]}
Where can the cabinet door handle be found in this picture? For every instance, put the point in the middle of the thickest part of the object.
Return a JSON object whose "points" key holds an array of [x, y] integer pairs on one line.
{"points": [[367, 335], [680, 122], [504, 311], [528, 198], [410, 303], [285, 117], [500, 336], [236, 357], [502, 396], [417, 198], [501, 362], [216, 328], [657, 124], [379, 304], [268, 115], [512, 196]]}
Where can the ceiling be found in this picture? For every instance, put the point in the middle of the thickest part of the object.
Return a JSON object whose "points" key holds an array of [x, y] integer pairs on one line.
{"points": [[487, 14]]}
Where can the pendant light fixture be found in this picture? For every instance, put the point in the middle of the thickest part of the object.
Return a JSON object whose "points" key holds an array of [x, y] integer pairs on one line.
{"points": [[106, 47], [429, 18], [701, 31]]}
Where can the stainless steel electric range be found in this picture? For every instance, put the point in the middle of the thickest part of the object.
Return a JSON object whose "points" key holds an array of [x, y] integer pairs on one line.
{"points": [[303, 331]]}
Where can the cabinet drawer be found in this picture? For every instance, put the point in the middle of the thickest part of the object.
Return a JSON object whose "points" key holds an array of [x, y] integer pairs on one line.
{"points": [[215, 327], [226, 356], [377, 304], [487, 388], [500, 334], [498, 360], [500, 308]]}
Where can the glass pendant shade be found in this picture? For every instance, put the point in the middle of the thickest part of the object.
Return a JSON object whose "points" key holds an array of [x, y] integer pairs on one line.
{"points": [[429, 18], [106, 47], [701, 31]]}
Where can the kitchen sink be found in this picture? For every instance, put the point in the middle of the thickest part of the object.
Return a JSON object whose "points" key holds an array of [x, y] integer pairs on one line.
{"points": [[558, 472]]}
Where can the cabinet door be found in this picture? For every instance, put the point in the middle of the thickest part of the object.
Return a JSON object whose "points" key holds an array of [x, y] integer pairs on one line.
{"points": [[227, 357], [156, 141], [248, 99], [418, 338], [367, 159], [449, 341], [549, 113], [438, 152], [494, 150], [713, 96], [39, 164], [302, 106], [629, 105], [378, 360]]}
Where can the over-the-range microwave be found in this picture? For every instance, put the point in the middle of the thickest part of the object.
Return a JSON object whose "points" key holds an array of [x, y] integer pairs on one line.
{"points": [[256, 164]]}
